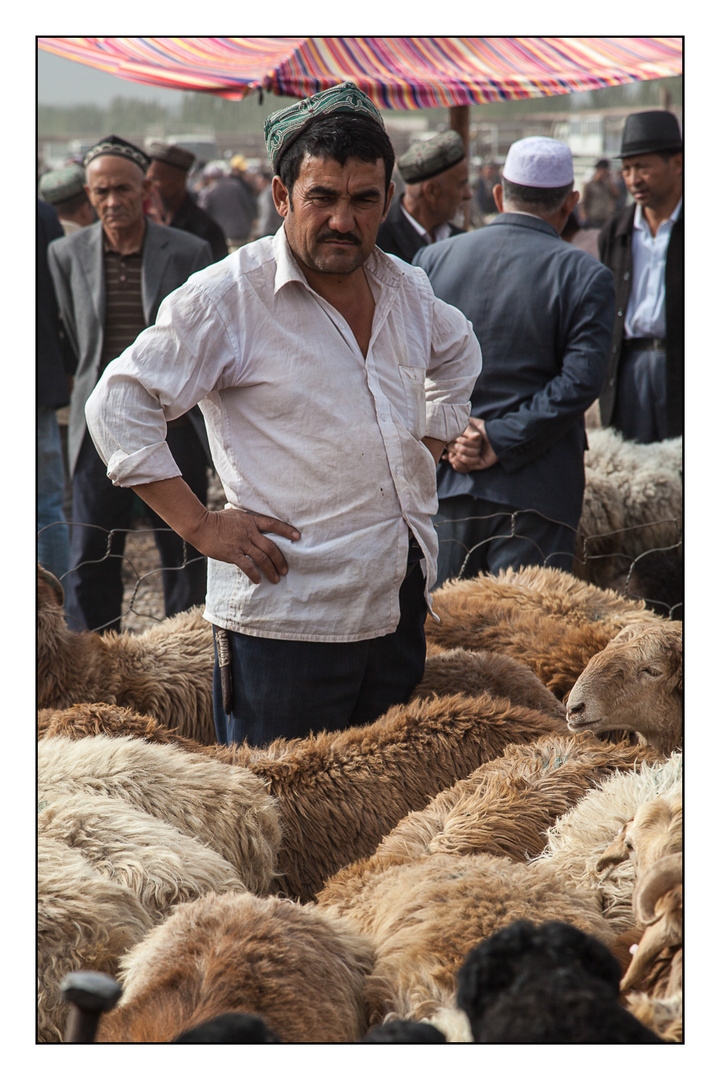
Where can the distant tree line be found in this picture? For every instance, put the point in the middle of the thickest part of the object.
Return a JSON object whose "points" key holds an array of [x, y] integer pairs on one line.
{"points": [[225, 116]]}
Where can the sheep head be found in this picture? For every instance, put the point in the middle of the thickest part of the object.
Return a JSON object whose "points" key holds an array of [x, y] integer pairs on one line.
{"points": [[654, 831], [658, 906], [633, 684]]}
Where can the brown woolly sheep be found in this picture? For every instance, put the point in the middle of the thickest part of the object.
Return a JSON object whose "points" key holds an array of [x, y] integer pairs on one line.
{"points": [[85, 921], [580, 837], [543, 617], [165, 672], [506, 806], [459, 671], [225, 807], [340, 792], [425, 915], [298, 968], [634, 684]]}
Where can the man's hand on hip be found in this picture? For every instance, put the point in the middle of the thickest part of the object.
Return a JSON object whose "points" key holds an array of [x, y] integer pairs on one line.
{"points": [[232, 536]]}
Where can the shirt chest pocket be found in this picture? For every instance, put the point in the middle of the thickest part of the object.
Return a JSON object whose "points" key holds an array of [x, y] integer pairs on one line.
{"points": [[413, 384]]}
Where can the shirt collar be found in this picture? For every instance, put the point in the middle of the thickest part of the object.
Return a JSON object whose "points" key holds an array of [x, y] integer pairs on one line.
{"points": [[639, 221], [287, 269]]}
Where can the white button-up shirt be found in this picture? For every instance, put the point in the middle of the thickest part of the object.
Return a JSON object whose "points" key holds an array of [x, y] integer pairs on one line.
{"points": [[645, 316], [302, 427]]}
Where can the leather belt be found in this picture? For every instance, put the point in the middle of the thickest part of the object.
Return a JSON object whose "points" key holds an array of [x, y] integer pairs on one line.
{"points": [[632, 344]]}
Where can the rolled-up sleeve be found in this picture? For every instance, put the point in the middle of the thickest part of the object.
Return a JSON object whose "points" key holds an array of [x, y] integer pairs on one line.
{"points": [[170, 367], [454, 365]]}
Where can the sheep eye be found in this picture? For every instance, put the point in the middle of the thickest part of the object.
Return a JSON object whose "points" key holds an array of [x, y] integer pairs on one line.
{"points": [[653, 672]]}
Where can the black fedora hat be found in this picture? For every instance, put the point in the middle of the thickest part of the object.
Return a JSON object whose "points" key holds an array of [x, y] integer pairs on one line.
{"points": [[650, 133]]}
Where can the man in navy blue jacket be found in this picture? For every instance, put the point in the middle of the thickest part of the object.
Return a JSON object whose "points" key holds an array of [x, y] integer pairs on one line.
{"points": [[511, 487]]}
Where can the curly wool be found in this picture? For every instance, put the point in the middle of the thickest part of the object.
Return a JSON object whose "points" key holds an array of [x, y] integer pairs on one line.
{"points": [[85, 921], [301, 970], [577, 840], [225, 807], [340, 792], [166, 672]]}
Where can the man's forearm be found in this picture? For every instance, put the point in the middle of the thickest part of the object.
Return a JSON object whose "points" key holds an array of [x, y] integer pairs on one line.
{"points": [[435, 446], [177, 505]]}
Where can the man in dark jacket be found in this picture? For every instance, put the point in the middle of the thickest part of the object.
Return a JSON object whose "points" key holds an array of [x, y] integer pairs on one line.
{"points": [[643, 246], [53, 391], [168, 171], [511, 488], [436, 174]]}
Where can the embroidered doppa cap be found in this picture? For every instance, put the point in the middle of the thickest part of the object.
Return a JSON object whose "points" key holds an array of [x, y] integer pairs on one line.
{"points": [[539, 162], [283, 127], [117, 147], [60, 184], [170, 154], [433, 156], [650, 133]]}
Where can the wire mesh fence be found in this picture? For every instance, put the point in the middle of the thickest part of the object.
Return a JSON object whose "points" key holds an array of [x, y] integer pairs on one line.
{"points": [[620, 559]]}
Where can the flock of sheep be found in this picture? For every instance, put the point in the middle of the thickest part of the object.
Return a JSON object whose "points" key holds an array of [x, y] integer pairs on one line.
{"points": [[496, 860]]}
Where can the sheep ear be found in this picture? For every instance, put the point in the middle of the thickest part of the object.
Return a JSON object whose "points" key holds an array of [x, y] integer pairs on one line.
{"points": [[49, 578], [676, 653], [616, 852]]}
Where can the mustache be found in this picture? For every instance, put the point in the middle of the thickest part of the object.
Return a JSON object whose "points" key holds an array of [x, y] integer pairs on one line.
{"points": [[346, 237]]}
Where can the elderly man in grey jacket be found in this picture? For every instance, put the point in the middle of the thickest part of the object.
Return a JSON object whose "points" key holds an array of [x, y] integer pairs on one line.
{"points": [[511, 487], [110, 279]]}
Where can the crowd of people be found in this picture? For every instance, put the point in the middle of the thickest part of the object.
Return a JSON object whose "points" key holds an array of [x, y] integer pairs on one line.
{"points": [[379, 389]]}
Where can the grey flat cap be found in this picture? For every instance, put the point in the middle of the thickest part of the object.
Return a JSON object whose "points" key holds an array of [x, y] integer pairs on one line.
{"points": [[432, 156], [170, 154]]}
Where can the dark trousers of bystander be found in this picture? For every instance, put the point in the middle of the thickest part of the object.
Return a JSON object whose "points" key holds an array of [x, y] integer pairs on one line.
{"points": [[477, 536], [94, 586], [289, 689]]}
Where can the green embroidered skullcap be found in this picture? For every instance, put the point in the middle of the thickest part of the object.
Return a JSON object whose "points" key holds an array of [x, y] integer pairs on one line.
{"points": [[117, 147], [283, 127], [60, 184], [432, 156]]}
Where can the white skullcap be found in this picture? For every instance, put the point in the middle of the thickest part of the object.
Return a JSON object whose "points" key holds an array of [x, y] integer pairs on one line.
{"points": [[539, 162]]}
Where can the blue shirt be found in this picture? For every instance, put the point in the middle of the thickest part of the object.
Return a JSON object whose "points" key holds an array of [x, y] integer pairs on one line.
{"points": [[645, 315]]}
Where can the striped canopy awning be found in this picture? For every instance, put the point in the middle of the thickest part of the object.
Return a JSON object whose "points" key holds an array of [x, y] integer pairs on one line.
{"points": [[395, 72]]}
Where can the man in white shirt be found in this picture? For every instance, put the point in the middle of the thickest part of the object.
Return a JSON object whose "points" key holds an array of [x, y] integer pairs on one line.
{"points": [[643, 246], [435, 172], [330, 379]]}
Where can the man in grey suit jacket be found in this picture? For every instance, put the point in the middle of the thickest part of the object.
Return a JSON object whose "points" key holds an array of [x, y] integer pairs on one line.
{"points": [[110, 279], [511, 487]]}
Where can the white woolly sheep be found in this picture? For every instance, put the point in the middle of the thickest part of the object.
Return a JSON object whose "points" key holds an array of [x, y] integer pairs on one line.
{"points": [[633, 503], [85, 921], [634, 684], [580, 837], [300, 969], [225, 807], [159, 864], [656, 830], [166, 672], [544, 617], [340, 792]]}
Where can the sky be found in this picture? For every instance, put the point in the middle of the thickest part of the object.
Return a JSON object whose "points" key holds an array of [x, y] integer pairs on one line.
{"points": [[67, 82]]}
